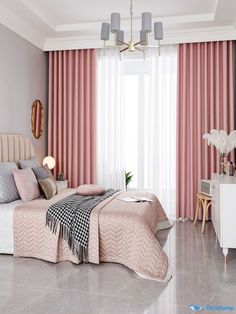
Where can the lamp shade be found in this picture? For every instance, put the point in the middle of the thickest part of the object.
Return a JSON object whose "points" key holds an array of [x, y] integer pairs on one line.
{"points": [[50, 161], [115, 22], [105, 31], [158, 31], [143, 38], [120, 38], [147, 22]]}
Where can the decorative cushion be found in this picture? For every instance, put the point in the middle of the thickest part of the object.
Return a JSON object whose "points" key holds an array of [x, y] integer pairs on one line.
{"points": [[42, 172], [90, 189], [7, 167], [31, 163], [48, 187], [27, 184], [8, 189]]}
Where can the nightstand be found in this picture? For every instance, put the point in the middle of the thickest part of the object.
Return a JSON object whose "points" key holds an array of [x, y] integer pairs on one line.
{"points": [[61, 185], [223, 213]]}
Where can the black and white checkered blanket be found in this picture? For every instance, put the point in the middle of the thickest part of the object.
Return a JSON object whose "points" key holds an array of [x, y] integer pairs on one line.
{"points": [[72, 216]]}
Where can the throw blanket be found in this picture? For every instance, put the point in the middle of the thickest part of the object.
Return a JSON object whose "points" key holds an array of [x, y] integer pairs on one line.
{"points": [[72, 216]]}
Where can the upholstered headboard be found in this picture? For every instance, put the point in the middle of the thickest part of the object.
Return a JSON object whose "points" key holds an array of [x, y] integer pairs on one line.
{"points": [[15, 147]]}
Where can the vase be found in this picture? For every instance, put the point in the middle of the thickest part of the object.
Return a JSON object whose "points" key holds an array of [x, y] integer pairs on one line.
{"points": [[222, 163]]}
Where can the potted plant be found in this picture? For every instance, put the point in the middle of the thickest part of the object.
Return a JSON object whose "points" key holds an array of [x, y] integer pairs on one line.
{"points": [[128, 178]]}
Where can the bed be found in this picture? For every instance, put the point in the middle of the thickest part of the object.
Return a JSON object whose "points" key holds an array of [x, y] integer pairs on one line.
{"points": [[119, 232], [6, 226]]}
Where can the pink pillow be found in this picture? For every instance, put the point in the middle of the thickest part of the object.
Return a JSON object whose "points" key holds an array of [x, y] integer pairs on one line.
{"points": [[90, 189], [26, 184]]}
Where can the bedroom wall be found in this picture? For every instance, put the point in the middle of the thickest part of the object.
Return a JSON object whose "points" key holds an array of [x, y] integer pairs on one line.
{"points": [[23, 78]]}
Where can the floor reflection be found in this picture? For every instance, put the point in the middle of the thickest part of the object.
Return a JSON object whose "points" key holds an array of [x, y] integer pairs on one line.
{"points": [[196, 262]]}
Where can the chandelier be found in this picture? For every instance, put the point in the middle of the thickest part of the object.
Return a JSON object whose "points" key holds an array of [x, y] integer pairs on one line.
{"points": [[132, 45]]}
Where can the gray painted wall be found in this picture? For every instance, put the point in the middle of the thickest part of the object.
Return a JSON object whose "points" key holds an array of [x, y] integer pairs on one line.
{"points": [[23, 78]]}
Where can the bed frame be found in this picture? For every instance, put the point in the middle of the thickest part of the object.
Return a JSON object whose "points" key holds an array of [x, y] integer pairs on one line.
{"points": [[15, 147]]}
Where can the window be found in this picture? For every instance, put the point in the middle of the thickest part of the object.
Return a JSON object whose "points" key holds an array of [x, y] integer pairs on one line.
{"points": [[135, 100], [136, 122]]}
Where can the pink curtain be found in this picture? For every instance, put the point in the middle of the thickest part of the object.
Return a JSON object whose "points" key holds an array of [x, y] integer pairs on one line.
{"points": [[205, 102], [71, 141]]}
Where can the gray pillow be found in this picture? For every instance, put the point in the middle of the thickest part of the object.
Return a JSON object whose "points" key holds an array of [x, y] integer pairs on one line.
{"points": [[42, 172], [7, 167], [31, 163], [8, 189], [48, 187]]}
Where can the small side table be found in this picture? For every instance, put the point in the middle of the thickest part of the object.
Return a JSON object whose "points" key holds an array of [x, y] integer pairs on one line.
{"points": [[61, 185], [204, 202]]}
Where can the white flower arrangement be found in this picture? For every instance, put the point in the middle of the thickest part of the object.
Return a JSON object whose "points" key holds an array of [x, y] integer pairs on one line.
{"points": [[221, 140]]}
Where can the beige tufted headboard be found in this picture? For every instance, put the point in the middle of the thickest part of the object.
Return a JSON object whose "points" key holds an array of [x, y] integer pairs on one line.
{"points": [[15, 147]]}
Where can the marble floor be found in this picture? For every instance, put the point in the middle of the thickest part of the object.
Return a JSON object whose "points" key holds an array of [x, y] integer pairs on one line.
{"points": [[33, 286]]}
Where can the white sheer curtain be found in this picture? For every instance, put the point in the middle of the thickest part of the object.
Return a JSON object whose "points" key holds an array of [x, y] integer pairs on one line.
{"points": [[159, 127], [110, 115], [156, 125]]}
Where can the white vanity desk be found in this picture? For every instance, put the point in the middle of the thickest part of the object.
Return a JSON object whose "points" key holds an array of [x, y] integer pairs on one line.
{"points": [[224, 211]]}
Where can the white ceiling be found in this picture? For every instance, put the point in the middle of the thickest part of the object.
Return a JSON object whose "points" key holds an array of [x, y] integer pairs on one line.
{"points": [[72, 24]]}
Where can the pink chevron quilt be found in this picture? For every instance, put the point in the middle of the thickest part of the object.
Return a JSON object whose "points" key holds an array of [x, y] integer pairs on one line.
{"points": [[119, 232]]}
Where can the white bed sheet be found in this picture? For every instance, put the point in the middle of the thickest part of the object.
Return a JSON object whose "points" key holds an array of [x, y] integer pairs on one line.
{"points": [[6, 227]]}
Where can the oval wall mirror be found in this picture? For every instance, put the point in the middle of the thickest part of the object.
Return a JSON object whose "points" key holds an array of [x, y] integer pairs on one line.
{"points": [[37, 119]]}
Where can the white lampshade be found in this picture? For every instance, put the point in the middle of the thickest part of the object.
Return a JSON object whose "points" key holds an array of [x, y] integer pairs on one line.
{"points": [[50, 161]]}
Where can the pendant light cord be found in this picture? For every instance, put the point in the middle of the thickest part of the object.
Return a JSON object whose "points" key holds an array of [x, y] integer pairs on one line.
{"points": [[131, 18]]}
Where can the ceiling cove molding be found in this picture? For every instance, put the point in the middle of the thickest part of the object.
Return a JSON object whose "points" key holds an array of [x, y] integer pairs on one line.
{"points": [[175, 37], [17, 25], [217, 3], [41, 15], [137, 22]]}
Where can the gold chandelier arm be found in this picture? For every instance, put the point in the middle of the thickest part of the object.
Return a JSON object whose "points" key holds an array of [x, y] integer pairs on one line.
{"points": [[122, 42], [136, 44], [124, 49]]}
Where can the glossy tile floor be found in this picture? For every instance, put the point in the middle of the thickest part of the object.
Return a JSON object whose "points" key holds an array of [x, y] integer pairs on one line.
{"points": [[38, 287]]}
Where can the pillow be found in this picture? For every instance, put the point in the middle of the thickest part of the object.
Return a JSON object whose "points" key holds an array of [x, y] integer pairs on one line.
{"points": [[8, 189], [90, 189], [31, 163], [48, 187], [27, 184], [7, 167], [43, 172]]}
